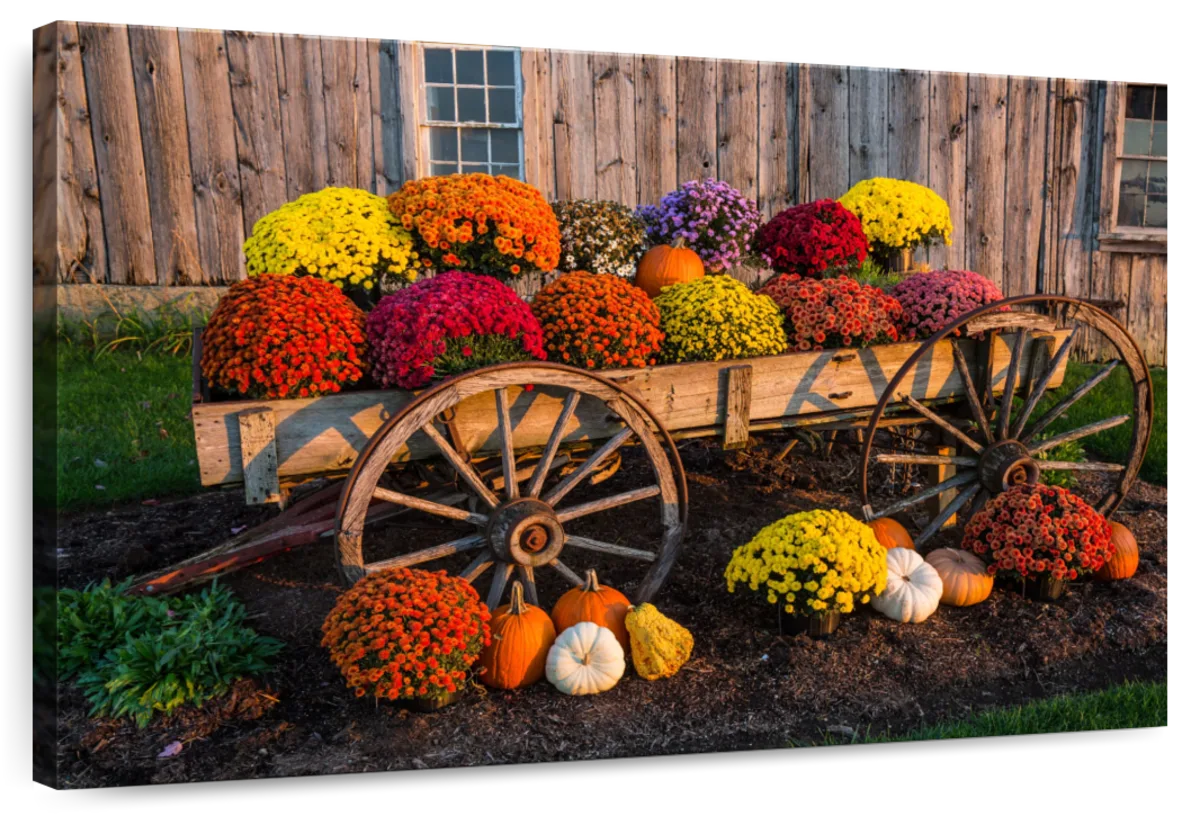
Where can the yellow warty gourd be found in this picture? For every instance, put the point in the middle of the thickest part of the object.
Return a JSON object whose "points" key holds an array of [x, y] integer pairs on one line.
{"points": [[660, 646]]}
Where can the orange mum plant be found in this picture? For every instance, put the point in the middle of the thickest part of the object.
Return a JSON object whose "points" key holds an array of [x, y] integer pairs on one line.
{"points": [[407, 634], [598, 321], [494, 225]]}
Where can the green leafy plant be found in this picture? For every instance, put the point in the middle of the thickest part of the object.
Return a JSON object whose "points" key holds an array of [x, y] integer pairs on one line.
{"points": [[1066, 452], [164, 330], [868, 273], [95, 620]]}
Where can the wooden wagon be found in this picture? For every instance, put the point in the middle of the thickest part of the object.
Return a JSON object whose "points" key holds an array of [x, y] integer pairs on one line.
{"points": [[960, 405]]}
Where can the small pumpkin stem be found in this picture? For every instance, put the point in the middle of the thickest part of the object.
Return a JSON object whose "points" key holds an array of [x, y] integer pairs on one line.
{"points": [[590, 582], [516, 600], [678, 243]]}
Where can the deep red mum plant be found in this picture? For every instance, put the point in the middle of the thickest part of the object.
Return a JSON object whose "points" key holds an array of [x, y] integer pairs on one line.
{"points": [[1037, 529], [448, 324], [809, 238], [824, 313], [281, 337], [932, 300]]}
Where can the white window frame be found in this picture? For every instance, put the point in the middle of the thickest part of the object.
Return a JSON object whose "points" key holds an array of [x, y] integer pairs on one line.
{"points": [[427, 125], [1116, 229]]}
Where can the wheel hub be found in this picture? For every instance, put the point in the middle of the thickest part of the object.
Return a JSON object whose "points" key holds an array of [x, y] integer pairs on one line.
{"points": [[1007, 464], [525, 532]]}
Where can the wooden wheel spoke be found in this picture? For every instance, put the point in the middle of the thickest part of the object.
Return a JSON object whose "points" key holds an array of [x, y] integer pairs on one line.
{"points": [[556, 437], [1104, 467], [499, 584], [566, 572], [949, 510], [564, 487], [627, 497], [431, 507], [925, 459], [507, 457], [1060, 407], [471, 542], [1079, 433], [529, 583], [611, 549], [942, 423], [460, 465], [1044, 382], [1010, 384], [964, 373], [478, 566], [964, 478]]}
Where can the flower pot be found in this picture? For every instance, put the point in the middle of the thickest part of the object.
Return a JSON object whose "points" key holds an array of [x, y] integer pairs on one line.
{"points": [[822, 624], [428, 705], [1047, 588], [900, 260]]}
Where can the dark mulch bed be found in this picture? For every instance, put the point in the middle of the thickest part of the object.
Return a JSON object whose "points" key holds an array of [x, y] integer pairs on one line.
{"points": [[745, 687]]}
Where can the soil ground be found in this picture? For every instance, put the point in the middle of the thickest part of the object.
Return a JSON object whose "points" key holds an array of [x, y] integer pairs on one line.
{"points": [[746, 686]]}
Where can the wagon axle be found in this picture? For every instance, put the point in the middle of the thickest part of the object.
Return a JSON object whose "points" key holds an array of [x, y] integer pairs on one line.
{"points": [[1007, 464], [525, 532]]}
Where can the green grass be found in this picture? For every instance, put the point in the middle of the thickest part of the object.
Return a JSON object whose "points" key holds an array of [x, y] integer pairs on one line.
{"points": [[123, 424]]}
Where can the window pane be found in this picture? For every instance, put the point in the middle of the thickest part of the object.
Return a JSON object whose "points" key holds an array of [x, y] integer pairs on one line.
{"points": [[470, 68], [1156, 211], [500, 68], [1139, 101], [441, 104], [510, 170], [503, 105], [443, 144], [475, 144], [470, 105], [1137, 138], [1160, 104], [443, 169], [474, 168], [504, 146], [439, 65], [1129, 210], [1159, 148], [1158, 178], [1133, 176]]}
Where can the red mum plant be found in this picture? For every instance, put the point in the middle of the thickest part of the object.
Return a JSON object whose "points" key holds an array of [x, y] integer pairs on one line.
{"points": [[1032, 530], [809, 238], [823, 313], [933, 300], [598, 321], [406, 634], [283, 337], [449, 324]]}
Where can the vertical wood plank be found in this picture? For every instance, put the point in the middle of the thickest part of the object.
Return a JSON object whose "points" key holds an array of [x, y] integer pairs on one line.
{"points": [[829, 145], [260, 459], [379, 183], [657, 172], [408, 56], [47, 137], [774, 120], [538, 120], [868, 118], [344, 125], [1067, 264], [616, 136], [302, 114], [738, 380], [1148, 305], [908, 125], [1025, 174], [254, 88], [984, 235], [120, 164], [948, 161], [213, 147], [696, 119], [800, 111], [158, 83], [385, 96], [364, 138], [574, 125], [737, 125]]}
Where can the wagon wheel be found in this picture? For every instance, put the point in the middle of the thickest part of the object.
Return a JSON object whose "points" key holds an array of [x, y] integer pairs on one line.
{"points": [[524, 528], [998, 444]]}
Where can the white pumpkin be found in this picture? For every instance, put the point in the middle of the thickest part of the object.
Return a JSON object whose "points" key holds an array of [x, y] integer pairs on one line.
{"points": [[913, 588], [585, 659]]}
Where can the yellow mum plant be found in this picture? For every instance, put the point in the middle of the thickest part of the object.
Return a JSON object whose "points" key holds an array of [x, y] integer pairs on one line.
{"points": [[897, 214], [345, 236], [811, 562], [718, 318]]}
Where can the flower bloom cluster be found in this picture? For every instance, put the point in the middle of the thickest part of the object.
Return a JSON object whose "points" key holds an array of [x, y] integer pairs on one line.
{"points": [[598, 321], [1036, 529], [282, 337], [898, 214], [828, 312], [718, 318], [933, 300], [713, 218], [442, 325], [809, 238], [406, 634], [494, 225], [342, 235], [600, 236], [811, 562]]}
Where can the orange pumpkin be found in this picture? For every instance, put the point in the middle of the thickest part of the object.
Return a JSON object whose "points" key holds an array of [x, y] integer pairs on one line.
{"points": [[891, 533], [965, 579], [1124, 562], [593, 602], [664, 265], [521, 638]]}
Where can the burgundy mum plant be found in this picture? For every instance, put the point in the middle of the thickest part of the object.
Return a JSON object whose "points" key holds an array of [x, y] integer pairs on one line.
{"points": [[933, 300]]}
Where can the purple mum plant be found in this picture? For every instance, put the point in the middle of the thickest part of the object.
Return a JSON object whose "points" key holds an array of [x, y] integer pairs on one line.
{"points": [[932, 300], [714, 219]]}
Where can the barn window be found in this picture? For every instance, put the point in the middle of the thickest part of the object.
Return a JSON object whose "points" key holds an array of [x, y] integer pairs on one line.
{"points": [[471, 109], [1142, 159]]}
